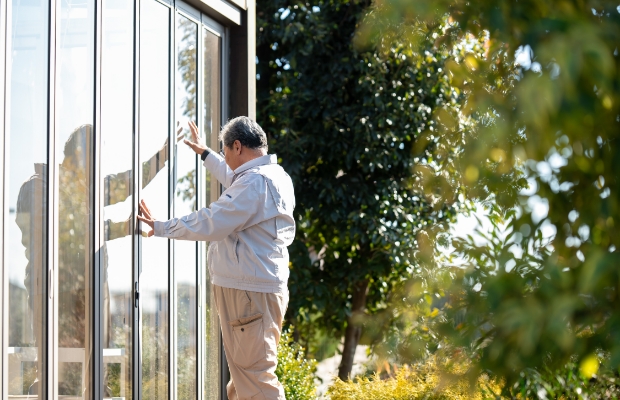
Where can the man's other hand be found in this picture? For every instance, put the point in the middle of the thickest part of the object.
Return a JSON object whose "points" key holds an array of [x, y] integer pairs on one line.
{"points": [[195, 143], [144, 215]]}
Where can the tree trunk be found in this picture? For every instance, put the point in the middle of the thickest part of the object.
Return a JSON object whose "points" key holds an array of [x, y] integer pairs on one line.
{"points": [[353, 331]]}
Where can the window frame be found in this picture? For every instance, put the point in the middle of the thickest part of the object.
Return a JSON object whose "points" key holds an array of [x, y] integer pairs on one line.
{"points": [[206, 17], [3, 271]]}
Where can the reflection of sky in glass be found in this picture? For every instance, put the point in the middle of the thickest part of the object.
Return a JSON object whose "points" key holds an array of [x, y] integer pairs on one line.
{"points": [[154, 100], [74, 85], [117, 110], [116, 132], [26, 116]]}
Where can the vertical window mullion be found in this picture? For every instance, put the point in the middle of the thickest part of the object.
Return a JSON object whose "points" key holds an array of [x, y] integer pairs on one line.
{"points": [[224, 103], [51, 277], [172, 325], [200, 202], [4, 317], [136, 344], [98, 243]]}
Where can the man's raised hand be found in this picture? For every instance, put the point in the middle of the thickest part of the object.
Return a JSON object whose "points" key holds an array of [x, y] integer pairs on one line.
{"points": [[195, 143], [144, 215]]}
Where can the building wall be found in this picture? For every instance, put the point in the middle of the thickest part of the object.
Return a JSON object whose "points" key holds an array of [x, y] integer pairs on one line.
{"points": [[97, 95]]}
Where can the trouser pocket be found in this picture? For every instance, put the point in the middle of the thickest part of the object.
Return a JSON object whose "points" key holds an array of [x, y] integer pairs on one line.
{"points": [[248, 345]]}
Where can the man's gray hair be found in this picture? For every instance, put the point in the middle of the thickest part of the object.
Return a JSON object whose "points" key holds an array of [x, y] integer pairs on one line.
{"points": [[246, 131]]}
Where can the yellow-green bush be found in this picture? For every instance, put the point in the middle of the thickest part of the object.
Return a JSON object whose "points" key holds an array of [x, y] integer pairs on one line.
{"points": [[295, 372], [423, 381]]}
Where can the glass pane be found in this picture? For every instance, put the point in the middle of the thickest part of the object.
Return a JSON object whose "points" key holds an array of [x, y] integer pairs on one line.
{"points": [[74, 150], [185, 203], [211, 125], [116, 171], [26, 186], [212, 86], [154, 128]]}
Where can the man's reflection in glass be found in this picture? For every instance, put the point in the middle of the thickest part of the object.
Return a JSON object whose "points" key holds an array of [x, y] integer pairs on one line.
{"points": [[31, 216], [76, 228]]}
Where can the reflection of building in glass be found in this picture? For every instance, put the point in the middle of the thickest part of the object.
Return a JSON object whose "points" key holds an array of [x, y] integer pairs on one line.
{"points": [[69, 234]]}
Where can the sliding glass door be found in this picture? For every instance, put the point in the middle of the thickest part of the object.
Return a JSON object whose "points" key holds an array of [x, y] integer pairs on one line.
{"points": [[154, 145], [26, 191], [98, 95], [185, 202], [74, 194], [117, 189], [209, 331]]}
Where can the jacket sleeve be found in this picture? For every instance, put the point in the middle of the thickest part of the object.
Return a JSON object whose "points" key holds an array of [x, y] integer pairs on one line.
{"points": [[217, 166], [233, 211]]}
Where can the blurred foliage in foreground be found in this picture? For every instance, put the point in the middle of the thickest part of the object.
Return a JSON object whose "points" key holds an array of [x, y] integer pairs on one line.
{"points": [[568, 382], [295, 373], [434, 379], [544, 285]]}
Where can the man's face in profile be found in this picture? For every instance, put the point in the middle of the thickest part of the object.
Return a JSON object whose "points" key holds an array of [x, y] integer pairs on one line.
{"points": [[236, 155]]}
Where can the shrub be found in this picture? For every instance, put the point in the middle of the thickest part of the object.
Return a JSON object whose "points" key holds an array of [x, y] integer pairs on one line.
{"points": [[568, 382], [422, 381], [441, 380], [295, 372]]}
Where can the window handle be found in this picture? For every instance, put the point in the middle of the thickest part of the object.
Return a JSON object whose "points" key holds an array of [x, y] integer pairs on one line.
{"points": [[136, 295]]}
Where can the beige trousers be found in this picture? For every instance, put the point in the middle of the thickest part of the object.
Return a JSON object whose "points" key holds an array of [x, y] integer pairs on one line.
{"points": [[251, 326]]}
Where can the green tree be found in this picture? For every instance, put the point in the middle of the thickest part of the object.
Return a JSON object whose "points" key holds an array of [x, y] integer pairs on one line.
{"points": [[545, 285], [346, 124]]}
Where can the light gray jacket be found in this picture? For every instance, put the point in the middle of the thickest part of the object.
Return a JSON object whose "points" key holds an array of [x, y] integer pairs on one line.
{"points": [[249, 226]]}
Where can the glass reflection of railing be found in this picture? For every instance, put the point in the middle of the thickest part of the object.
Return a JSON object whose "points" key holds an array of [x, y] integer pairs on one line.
{"points": [[19, 357]]}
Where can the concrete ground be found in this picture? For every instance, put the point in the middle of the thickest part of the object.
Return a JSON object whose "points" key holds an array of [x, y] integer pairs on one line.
{"points": [[327, 369]]}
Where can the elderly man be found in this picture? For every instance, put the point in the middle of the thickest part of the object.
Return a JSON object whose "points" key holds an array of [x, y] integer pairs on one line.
{"points": [[249, 227]]}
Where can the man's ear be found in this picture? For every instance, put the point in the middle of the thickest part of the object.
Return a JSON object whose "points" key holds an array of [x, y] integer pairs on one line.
{"points": [[237, 145]]}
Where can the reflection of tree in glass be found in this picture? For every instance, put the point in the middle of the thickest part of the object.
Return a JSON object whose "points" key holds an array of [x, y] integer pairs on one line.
{"points": [[187, 65], [210, 340], [29, 375], [114, 379], [186, 187], [155, 382], [74, 252], [210, 72], [186, 60], [186, 328]]}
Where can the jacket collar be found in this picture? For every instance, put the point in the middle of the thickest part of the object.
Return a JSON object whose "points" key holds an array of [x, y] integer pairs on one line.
{"points": [[262, 160]]}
